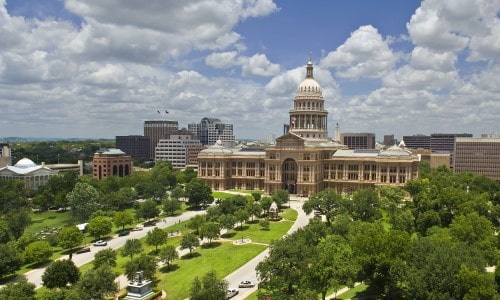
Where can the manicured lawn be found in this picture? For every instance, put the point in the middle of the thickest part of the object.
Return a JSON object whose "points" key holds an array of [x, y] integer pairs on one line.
{"points": [[224, 259], [222, 195], [354, 292], [248, 191], [48, 221]]}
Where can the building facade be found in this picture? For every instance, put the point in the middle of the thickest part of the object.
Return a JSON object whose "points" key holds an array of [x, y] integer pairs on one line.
{"points": [[5, 155], [111, 162], [136, 146], [31, 174], [358, 140], [304, 160], [156, 130], [478, 155], [418, 141], [211, 130], [178, 148]]}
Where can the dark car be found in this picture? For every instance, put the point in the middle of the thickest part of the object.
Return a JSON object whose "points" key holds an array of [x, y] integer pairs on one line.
{"points": [[83, 250], [124, 233]]}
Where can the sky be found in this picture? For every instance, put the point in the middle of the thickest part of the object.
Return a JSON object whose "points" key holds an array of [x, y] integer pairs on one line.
{"points": [[97, 69]]}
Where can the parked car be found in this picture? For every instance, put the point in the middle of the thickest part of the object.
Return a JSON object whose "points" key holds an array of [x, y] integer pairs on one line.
{"points": [[246, 284], [138, 228], [100, 243], [230, 293], [124, 233], [83, 250]]}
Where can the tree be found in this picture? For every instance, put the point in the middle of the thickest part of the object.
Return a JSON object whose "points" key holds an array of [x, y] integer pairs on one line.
{"points": [[365, 204], [168, 254], [69, 237], [254, 209], [209, 288], [83, 200], [266, 203], [264, 223], [280, 197], [122, 218], [196, 222], [97, 283], [177, 193], [171, 205], [131, 248], [38, 252], [99, 226], [210, 231], [476, 285], [60, 273], [148, 210], [17, 221], [10, 260], [189, 241], [328, 202], [241, 216], [332, 267], [198, 193], [20, 290], [144, 263], [227, 221], [156, 237], [256, 196], [5, 233], [105, 257]]}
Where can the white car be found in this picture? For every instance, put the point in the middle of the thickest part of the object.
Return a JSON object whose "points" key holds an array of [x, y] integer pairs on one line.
{"points": [[246, 284], [230, 293], [100, 243]]}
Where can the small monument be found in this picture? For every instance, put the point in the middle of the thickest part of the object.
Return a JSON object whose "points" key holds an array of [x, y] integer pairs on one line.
{"points": [[139, 288], [274, 211]]}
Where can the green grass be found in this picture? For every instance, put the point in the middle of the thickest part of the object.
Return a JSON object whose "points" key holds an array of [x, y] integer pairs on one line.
{"points": [[354, 292], [48, 220], [222, 195], [224, 259], [248, 191]]}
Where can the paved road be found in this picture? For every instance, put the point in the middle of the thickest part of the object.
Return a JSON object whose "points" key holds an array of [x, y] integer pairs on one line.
{"points": [[247, 271], [35, 275]]}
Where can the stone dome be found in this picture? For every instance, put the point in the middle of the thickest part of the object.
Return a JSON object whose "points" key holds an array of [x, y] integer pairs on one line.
{"points": [[25, 163], [309, 87]]}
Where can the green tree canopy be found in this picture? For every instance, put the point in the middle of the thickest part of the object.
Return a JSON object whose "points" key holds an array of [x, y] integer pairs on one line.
{"points": [[10, 260], [328, 202], [97, 283], [170, 206], [145, 263], [83, 200], [60, 273], [189, 241], [131, 248], [148, 210], [156, 237], [198, 193], [99, 226], [209, 288], [38, 252], [105, 257], [20, 290], [210, 231], [123, 218], [168, 254], [69, 237]]}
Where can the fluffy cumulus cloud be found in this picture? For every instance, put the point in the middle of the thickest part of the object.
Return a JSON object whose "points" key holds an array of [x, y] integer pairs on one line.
{"points": [[364, 54], [256, 65]]}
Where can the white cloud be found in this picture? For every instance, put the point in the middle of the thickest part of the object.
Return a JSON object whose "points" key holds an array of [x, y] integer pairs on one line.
{"points": [[363, 54], [426, 59], [257, 65], [222, 59]]}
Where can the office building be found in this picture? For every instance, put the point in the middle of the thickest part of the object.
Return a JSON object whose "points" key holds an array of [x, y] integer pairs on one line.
{"points": [[477, 155], [179, 148], [136, 146], [304, 160], [111, 162], [211, 130], [358, 140], [156, 130], [419, 141], [389, 140]]}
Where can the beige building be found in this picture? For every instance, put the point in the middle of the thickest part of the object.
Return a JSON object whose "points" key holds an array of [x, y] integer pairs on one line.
{"points": [[111, 162], [304, 160], [478, 155], [26, 170]]}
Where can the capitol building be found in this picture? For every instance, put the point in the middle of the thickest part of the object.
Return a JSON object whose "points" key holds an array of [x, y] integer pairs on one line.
{"points": [[305, 160]]}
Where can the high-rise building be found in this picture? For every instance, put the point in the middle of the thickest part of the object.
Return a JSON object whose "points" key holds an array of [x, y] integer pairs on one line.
{"points": [[358, 140], [444, 143], [478, 156], [178, 148], [5, 155], [136, 146], [211, 130], [304, 160], [389, 140], [111, 162], [419, 141], [156, 130]]}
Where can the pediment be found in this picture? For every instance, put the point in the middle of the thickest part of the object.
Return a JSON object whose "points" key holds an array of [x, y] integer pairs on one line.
{"points": [[289, 140]]}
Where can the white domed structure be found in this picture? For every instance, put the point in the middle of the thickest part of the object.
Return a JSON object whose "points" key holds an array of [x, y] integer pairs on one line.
{"points": [[308, 118], [25, 163]]}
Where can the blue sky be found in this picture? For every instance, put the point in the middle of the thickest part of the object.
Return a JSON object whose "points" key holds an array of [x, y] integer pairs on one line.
{"points": [[74, 68]]}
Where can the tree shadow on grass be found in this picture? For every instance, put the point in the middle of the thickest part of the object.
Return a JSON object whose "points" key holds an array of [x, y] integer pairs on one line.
{"points": [[191, 255], [10, 279], [39, 265], [242, 228], [228, 235], [211, 245], [169, 268]]}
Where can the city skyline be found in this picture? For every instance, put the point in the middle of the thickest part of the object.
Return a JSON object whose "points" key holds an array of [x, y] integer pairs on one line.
{"points": [[98, 70]]}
